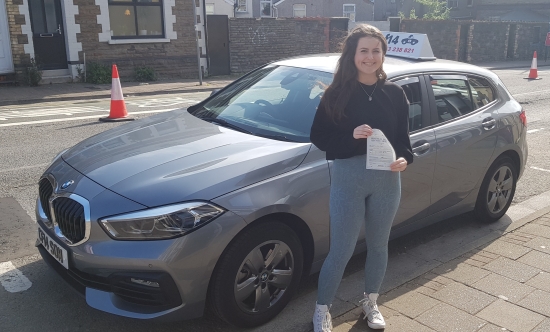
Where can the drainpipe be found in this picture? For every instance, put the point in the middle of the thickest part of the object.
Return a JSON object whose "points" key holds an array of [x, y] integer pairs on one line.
{"points": [[197, 40]]}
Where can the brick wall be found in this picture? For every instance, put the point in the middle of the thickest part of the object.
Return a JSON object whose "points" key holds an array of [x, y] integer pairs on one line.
{"points": [[174, 59], [18, 39], [255, 42]]}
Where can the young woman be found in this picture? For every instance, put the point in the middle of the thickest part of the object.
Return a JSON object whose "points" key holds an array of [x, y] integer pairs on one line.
{"points": [[358, 101]]}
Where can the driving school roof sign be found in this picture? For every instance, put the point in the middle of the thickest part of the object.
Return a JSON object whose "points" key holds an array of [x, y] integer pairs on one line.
{"points": [[409, 45]]}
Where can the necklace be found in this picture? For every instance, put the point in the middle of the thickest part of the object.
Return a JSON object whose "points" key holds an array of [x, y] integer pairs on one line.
{"points": [[365, 91]]}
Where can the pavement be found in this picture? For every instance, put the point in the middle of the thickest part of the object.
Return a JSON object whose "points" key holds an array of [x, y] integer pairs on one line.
{"points": [[477, 277], [16, 95]]}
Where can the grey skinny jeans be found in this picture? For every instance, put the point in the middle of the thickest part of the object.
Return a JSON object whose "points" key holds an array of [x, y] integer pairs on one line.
{"points": [[358, 195]]}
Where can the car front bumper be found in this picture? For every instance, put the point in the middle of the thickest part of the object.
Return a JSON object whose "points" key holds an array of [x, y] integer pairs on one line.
{"points": [[164, 279]]}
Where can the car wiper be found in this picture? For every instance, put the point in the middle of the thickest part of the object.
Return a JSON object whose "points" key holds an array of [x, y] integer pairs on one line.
{"points": [[227, 124], [277, 137]]}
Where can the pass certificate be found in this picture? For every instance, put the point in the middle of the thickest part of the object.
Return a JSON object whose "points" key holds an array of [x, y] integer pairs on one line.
{"points": [[380, 153]]}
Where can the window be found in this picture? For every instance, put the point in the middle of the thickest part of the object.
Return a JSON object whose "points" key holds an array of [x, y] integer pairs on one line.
{"points": [[278, 102], [299, 10], [482, 92], [470, 3], [136, 19], [209, 7], [452, 97], [411, 86], [452, 3], [265, 8], [349, 11], [241, 6]]}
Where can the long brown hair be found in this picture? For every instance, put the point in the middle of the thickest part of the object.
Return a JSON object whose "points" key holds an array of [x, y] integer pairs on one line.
{"points": [[338, 94]]}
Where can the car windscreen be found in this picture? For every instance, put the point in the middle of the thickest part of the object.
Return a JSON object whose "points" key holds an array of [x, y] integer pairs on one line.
{"points": [[276, 102]]}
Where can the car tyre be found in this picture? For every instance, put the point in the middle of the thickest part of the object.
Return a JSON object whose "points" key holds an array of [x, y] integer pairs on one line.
{"points": [[257, 275], [497, 190]]}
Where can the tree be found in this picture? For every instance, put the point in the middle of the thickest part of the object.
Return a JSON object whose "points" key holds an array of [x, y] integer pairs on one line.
{"points": [[435, 9]]}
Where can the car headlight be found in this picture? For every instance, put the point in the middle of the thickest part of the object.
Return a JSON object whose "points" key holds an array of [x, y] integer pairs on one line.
{"points": [[161, 223]]}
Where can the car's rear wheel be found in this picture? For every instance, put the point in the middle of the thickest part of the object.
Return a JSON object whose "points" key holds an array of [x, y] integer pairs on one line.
{"points": [[257, 275], [497, 190]]}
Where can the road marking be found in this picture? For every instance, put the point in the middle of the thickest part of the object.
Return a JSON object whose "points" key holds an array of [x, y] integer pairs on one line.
{"points": [[528, 93], [534, 130], [77, 118], [33, 113], [540, 169], [23, 167], [12, 279], [160, 102]]}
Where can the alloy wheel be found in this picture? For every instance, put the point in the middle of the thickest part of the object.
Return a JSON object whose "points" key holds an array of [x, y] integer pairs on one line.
{"points": [[500, 189], [264, 276]]}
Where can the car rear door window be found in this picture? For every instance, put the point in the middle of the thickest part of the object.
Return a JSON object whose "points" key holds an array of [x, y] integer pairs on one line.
{"points": [[411, 86], [452, 97], [482, 92]]}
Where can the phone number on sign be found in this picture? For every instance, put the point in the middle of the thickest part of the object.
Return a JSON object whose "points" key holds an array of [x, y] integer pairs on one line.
{"points": [[400, 49]]}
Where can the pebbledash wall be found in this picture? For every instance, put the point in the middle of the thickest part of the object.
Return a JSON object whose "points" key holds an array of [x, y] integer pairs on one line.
{"points": [[481, 41], [87, 31], [255, 42]]}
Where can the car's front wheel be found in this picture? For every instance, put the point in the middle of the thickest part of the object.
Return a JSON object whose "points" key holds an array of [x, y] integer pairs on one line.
{"points": [[497, 190], [257, 275]]}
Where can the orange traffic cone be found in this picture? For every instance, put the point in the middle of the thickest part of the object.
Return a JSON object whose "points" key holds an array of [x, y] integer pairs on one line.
{"points": [[533, 75], [118, 107]]}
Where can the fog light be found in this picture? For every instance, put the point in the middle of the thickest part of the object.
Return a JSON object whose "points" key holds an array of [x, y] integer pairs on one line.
{"points": [[145, 282]]}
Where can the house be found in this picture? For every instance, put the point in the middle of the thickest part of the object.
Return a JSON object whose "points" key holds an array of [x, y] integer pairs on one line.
{"points": [[64, 35], [355, 10], [231, 8], [501, 10]]}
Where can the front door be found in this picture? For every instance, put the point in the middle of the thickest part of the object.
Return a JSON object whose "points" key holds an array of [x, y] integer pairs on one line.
{"points": [[6, 63], [48, 34], [217, 29]]}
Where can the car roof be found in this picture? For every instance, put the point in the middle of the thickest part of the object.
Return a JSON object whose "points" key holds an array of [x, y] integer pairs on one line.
{"points": [[393, 66]]}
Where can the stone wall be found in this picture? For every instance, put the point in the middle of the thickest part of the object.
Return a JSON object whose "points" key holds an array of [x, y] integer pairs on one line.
{"points": [[17, 38], [488, 41], [479, 41], [444, 36], [174, 59], [255, 42]]}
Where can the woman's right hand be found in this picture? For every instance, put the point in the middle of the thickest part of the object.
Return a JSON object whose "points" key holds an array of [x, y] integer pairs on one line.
{"points": [[363, 131]]}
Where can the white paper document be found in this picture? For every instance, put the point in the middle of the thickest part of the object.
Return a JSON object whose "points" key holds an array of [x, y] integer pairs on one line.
{"points": [[380, 153]]}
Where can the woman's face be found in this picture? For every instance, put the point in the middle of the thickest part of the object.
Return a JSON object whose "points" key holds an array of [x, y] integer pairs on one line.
{"points": [[368, 56]]}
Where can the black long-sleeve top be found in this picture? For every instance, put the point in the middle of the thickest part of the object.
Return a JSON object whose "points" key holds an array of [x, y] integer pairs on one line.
{"points": [[388, 111]]}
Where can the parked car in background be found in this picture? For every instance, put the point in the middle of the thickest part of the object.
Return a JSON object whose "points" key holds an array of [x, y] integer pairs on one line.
{"points": [[225, 203]]}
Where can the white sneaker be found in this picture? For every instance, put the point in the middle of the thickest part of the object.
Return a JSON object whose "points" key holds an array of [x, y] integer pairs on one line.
{"points": [[372, 314], [322, 322]]}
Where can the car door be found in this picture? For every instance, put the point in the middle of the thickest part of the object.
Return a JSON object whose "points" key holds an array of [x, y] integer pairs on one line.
{"points": [[416, 180], [466, 137]]}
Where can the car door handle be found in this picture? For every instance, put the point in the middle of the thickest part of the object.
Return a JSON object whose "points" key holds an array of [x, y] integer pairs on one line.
{"points": [[421, 149], [489, 123]]}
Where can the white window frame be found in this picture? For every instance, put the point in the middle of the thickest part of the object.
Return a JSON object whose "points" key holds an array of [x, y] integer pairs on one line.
{"points": [[347, 13], [242, 6], [302, 9], [104, 21], [210, 5], [452, 4], [262, 3]]}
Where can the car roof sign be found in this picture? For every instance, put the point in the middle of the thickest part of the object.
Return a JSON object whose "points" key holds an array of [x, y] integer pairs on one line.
{"points": [[409, 45]]}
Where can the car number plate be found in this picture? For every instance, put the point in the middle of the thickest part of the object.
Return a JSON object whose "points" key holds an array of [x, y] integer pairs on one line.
{"points": [[53, 248]]}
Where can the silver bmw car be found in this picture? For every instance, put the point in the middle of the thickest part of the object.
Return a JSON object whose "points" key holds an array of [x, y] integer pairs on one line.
{"points": [[225, 204]]}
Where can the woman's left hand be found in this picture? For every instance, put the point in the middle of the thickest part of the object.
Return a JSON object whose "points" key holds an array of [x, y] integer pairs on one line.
{"points": [[399, 165]]}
